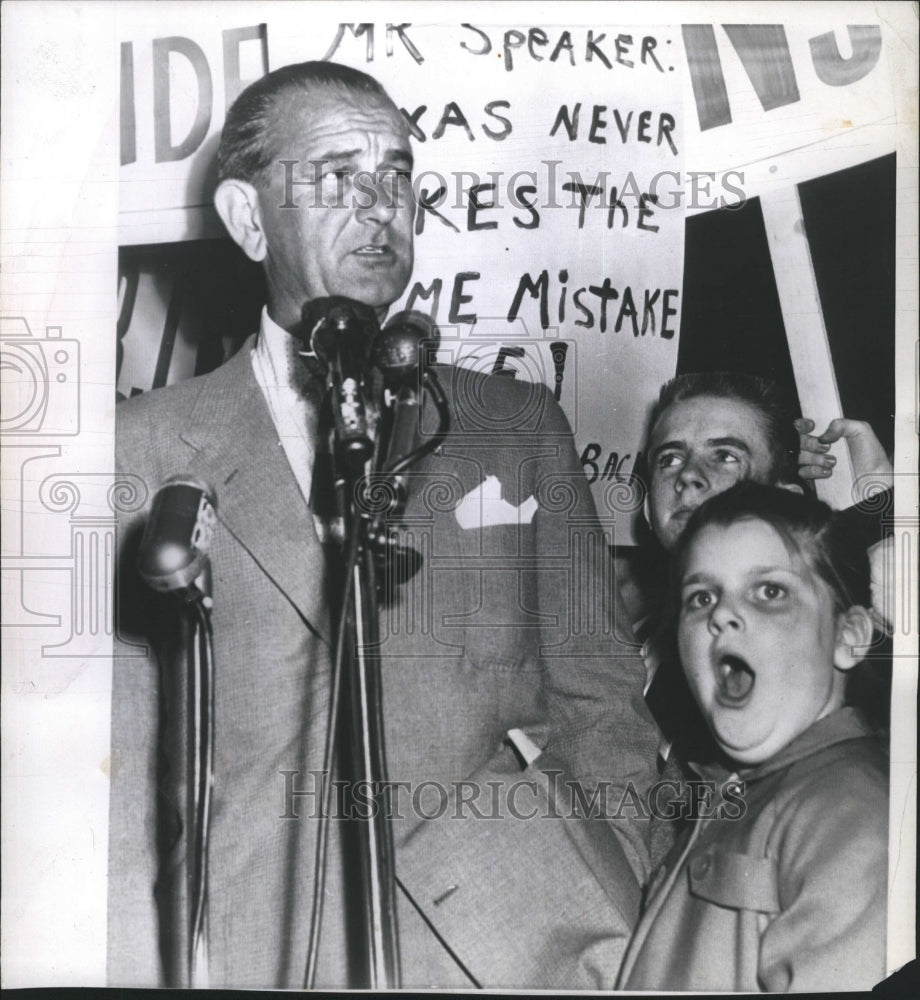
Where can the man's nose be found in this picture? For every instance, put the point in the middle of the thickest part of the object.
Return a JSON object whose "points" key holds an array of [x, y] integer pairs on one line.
{"points": [[692, 474], [725, 616], [377, 200]]}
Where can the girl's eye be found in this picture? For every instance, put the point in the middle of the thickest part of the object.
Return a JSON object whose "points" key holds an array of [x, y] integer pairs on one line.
{"points": [[770, 591], [698, 599]]}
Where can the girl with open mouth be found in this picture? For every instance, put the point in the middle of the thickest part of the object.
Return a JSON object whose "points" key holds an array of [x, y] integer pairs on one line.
{"points": [[781, 884]]}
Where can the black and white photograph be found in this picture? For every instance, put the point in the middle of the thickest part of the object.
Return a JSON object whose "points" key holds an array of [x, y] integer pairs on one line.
{"points": [[460, 498]]}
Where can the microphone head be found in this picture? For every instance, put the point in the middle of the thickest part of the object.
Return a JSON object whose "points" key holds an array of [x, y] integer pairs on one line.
{"points": [[402, 346], [177, 538], [334, 326]]}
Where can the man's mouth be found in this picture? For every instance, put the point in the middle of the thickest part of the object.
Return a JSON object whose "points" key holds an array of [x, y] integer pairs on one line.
{"points": [[370, 250], [735, 679]]}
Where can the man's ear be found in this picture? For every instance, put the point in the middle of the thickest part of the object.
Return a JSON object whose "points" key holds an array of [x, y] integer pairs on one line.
{"points": [[854, 634], [237, 204], [647, 512]]}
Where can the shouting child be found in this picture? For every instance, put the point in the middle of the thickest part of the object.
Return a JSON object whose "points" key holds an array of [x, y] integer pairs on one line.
{"points": [[780, 883]]}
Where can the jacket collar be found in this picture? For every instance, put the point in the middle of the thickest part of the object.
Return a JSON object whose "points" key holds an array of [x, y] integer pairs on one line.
{"points": [[846, 723], [258, 500]]}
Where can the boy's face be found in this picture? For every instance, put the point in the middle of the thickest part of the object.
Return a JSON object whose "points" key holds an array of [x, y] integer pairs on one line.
{"points": [[759, 639], [700, 447]]}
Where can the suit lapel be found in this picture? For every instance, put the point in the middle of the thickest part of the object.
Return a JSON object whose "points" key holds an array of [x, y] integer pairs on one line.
{"points": [[258, 499]]}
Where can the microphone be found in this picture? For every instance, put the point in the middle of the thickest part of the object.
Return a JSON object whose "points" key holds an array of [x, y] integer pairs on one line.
{"points": [[399, 347], [340, 332], [174, 550], [400, 351]]}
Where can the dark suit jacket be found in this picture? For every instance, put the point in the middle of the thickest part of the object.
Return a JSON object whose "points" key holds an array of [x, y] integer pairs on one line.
{"points": [[506, 625]]}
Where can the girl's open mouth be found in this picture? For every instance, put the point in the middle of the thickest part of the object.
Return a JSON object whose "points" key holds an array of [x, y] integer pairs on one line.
{"points": [[735, 679]]}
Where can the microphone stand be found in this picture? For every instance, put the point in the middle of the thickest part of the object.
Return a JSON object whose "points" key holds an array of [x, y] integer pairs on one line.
{"points": [[363, 681], [174, 561], [356, 670], [189, 695], [334, 323], [199, 781]]}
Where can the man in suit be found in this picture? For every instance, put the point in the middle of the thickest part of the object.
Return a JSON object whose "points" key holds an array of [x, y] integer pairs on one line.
{"points": [[510, 625]]}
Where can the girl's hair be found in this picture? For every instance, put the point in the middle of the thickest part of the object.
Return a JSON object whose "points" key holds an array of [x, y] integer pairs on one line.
{"points": [[813, 531], [808, 527]]}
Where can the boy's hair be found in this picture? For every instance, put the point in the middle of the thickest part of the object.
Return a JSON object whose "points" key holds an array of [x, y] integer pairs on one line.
{"points": [[247, 148], [762, 395], [817, 534]]}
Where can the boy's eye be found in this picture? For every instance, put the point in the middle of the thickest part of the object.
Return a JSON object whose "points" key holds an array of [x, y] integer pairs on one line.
{"points": [[770, 591], [669, 459], [726, 457]]}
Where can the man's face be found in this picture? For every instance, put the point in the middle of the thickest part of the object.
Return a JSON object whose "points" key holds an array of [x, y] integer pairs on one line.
{"points": [[351, 232], [700, 447], [758, 639]]}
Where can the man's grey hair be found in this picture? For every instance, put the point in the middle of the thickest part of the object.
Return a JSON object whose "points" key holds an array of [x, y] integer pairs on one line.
{"points": [[246, 149]]}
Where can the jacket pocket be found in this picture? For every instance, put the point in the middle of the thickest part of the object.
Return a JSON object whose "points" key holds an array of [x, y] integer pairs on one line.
{"points": [[738, 881]]}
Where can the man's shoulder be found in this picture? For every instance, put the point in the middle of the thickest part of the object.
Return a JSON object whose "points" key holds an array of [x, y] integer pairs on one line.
{"points": [[503, 384], [503, 401], [153, 431], [173, 404], [163, 403]]}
